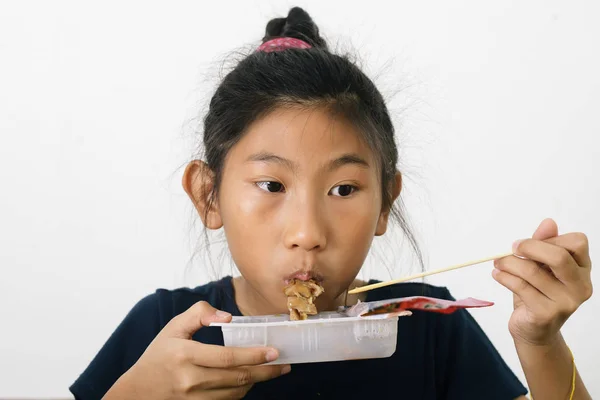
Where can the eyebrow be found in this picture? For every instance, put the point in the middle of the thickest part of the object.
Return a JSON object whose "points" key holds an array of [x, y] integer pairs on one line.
{"points": [[348, 159], [345, 159]]}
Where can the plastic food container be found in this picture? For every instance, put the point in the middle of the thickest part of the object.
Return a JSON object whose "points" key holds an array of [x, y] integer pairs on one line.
{"points": [[327, 336]]}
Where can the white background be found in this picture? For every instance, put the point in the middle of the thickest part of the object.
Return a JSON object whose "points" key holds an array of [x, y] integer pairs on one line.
{"points": [[497, 107]]}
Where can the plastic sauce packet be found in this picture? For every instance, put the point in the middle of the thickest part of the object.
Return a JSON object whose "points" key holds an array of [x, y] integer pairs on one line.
{"points": [[400, 306]]}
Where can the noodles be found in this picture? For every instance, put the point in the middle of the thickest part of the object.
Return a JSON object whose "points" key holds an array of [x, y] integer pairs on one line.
{"points": [[301, 296]]}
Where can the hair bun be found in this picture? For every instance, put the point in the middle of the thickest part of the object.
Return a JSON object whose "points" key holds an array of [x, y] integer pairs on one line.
{"points": [[298, 24]]}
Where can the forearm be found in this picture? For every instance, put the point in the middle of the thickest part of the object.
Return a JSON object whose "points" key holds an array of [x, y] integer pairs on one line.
{"points": [[120, 390], [126, 388], [549, 371]]}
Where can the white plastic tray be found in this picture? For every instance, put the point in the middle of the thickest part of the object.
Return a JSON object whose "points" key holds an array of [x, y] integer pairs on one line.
{"points": [[328, 336]]}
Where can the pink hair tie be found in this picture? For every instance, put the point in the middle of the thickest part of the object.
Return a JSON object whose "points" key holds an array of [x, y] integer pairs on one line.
{"points": [[283, 43]]}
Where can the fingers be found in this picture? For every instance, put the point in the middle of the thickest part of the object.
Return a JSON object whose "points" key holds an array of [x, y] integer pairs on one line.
{"points": [[519, 286], [199, 378], [187, 323], [214, 356], [546, 230], [249, 375], [532, 273], [577, 244], [228, 393], [563, 277], [559, 259]]}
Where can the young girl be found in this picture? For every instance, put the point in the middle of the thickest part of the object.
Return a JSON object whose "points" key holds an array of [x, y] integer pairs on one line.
{"points": [[300, 172]]}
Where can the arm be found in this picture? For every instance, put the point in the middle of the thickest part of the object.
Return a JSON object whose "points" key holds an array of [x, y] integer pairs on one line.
{"points": [[550, 278], [175, 366], [549, 370]]}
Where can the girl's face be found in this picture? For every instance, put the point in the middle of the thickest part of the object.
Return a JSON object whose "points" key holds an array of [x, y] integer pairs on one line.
{"points": [[301, 197]]}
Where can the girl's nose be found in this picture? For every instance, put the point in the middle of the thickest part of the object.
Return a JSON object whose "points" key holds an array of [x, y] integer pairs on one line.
{"points": [[306, 227]]}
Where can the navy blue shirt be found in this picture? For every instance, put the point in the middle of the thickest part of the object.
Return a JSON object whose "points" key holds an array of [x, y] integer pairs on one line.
{"points": [[437, 356]]}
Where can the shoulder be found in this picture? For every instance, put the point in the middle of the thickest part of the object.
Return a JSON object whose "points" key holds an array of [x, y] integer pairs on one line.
{"points": [[171, 302], [459, 354], [408, 289], [425, 323], [154, 311], [139, 328], [442, 332]]}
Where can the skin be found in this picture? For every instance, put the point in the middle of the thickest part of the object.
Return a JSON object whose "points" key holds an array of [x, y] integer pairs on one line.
{"points": [[283, 206], [176, 367], [308, 221], [550, 277], [319, 223]]}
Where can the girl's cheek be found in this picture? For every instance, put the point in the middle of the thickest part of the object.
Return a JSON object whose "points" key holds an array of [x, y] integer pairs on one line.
{"points": [[358, 217], [248, 203]]}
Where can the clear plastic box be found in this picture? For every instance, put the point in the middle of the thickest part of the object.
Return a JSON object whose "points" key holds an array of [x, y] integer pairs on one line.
{"points": [[328, 336]]}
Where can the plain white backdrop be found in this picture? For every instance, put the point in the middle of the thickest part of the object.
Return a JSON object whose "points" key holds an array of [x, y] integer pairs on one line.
{"points": [[497, 112]]}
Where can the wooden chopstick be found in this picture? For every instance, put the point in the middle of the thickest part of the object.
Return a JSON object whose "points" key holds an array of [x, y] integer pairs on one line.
{"points": [[423, 274]]}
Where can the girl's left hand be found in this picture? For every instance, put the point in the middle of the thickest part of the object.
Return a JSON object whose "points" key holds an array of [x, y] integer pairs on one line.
{"points": [[549, 283]]}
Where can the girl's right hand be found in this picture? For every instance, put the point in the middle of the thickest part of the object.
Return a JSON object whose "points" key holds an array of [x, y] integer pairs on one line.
{"points": [[176, 367]]}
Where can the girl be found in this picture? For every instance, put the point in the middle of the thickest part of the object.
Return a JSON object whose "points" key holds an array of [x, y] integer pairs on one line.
{"points": [[300, 172]]}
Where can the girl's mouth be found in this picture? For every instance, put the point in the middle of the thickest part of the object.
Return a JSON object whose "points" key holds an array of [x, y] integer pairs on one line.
{"points": [[303, 276]]}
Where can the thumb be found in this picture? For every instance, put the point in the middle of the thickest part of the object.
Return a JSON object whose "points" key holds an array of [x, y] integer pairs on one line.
{"points": [[547, 229], [201, 314]]}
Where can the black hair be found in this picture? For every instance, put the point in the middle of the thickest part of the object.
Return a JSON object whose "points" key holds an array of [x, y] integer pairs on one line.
{"points": [[315, 77]]}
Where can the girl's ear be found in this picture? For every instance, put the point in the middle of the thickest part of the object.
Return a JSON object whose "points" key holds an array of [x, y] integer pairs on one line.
{"points": [[385, 214], [198, 182]]}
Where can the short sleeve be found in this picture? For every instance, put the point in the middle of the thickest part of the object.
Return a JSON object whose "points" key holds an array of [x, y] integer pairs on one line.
{"points": [[124, 347], [473, 368]]}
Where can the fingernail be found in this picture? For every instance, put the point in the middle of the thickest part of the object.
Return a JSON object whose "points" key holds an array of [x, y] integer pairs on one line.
{"points": [[515, 246], [222, 314], [271, 355], [286, 369]]}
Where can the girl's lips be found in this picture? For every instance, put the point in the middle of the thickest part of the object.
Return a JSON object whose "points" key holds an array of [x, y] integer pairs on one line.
{"points": [[303, 276]]}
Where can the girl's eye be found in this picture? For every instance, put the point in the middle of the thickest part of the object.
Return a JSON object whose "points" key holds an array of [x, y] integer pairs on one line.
{"points": [[343, 190], [270, 186]]}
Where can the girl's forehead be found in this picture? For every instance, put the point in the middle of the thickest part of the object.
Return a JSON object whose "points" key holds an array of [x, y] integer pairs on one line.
{"points": [[303, 134]]}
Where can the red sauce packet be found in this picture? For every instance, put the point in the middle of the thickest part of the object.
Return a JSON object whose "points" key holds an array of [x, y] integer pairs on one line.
{"points": [[400, 305]]}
